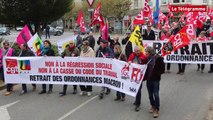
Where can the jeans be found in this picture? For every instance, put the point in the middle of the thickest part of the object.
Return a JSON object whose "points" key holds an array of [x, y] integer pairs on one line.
{"points": [[138, 96], [153, 88], [24, 87], [120, 95], [202, 66], [44, 87], [181, 67], [168, 66], [87, 88]]}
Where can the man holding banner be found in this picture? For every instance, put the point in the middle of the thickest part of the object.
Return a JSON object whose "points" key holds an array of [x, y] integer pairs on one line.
{"points": [[137, 57], [71, 51]]}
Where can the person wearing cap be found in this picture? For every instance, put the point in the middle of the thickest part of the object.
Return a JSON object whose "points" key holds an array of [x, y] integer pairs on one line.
{"points": [[47, 51], [149, 34], [87, 51], [125, 41], [78, 39], [70, 51], [90, 39], [106, 52]]}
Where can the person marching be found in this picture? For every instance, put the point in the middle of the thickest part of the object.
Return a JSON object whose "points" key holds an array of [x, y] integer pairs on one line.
{"points": [[47, 51], [26, 52], [6, 51], [104, 51], [122, 57], [71, 51], [87, 51], [137, 57]]}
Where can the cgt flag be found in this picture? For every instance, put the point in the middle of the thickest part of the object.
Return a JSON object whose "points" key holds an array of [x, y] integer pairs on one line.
{"points": [[24, 36], [36, 45], [178, 41], [139, 19], [80, 21], [136, 38]]}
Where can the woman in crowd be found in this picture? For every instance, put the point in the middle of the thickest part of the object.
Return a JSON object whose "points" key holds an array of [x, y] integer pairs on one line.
{"points": [[47, 51], [122, 57], [86, 52], [201, 38]]}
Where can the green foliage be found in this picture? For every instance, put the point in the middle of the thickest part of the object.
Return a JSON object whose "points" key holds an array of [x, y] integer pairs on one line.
{"points": [[36, 12], [55, 48]]}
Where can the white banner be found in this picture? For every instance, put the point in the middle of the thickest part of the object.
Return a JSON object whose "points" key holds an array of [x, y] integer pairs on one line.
{"points": [[62, 44], [112, 73], [195, 52]]}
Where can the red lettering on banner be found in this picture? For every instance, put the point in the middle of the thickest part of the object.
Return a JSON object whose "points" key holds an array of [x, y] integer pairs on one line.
{"points": [[42, 70], [104, 66], [49, 64], [62, 64], [88, 71], [55, 70], [110, 73], [136, 75]]}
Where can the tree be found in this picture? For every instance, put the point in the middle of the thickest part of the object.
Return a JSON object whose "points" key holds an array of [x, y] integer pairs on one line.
{"points": [[120, 9], [33, 12]]}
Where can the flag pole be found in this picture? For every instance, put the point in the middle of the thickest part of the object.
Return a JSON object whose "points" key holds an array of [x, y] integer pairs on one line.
{"points": [[126, 43]]}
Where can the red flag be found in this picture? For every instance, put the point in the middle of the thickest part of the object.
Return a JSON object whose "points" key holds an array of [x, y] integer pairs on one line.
{"points": [[211, 34], [176, 42], [97, 17], [210, 13], [139, 19], [80, 21], [162, 17], [170, 14], [105, 32], [151, 17], [146, 9], [191, 29]]}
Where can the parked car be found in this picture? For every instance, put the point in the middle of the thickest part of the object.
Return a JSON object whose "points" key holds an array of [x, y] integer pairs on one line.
{"points": [[19, 28], [54, 31], [60, 28], [4, 31], [83, 33]]}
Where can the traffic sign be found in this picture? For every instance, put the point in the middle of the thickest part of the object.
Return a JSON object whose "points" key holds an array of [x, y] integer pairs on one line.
{"points": [[90, 2]]}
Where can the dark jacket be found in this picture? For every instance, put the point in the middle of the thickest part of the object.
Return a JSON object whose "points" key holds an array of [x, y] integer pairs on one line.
{"points": [[112, 44], [150, 36], [99, 39], [159, 68], [107, 52], [150, 66], [122, 57], [50, 52], [79, 42], [91, 40], [27, 53], [175, 31], [128, 49]]}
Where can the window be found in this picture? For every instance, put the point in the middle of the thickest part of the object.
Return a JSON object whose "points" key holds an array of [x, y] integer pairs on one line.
{"points": [[136, 4], [176, 1], [205, 1]]}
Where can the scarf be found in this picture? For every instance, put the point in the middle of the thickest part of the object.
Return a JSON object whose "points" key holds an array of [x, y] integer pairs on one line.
{"points": [[45, 49], [85, 50], [71, 48]]}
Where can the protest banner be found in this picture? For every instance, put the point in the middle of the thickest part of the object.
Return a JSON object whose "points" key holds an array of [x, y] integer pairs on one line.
{"points": [[112, 73], [194, 53]]}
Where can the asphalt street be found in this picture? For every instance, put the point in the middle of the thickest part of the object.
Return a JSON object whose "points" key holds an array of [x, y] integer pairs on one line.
{"points": [[183, 97]]}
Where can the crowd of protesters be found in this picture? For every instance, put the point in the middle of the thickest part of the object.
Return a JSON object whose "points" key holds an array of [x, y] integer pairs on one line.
{"points": [[111, 48]]}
